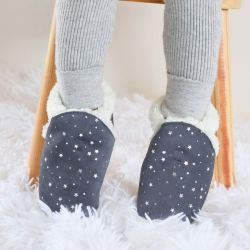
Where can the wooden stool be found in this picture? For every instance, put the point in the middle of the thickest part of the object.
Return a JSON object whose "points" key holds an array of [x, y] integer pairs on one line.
{"points": [[224, 172]]}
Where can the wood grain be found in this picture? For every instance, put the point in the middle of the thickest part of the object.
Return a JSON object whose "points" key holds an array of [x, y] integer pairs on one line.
{"points": [[225, 172], [41, 115]]}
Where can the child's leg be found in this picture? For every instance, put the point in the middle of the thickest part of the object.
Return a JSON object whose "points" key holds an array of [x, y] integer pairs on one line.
{"points": [[191, 43], [178, 168], [79, 139], [84, 30]]}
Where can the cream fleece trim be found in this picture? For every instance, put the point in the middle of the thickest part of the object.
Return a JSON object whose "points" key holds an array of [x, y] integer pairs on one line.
{"points": [[104, 113], [209, 124]]}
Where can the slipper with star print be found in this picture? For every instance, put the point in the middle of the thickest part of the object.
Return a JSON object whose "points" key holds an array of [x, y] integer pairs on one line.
{"points": [[178, 168], [76, 154]]}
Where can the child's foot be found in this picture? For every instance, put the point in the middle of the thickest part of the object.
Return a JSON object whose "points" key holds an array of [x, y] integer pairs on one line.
{"points": [[77, 151], [177, 171]]}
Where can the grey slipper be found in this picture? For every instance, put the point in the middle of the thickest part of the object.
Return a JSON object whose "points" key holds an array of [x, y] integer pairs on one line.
{"points": [[77, 151], [178, 168]]}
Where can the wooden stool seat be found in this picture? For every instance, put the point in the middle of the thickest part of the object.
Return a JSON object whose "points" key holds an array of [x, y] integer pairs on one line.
{"points": [[224, 171]]}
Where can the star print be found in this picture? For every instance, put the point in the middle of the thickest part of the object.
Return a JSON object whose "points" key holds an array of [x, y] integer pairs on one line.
{"points": [[95, 176], [208, 169], [163, 159], [76, 194], [146, 203], [60, 155], [89, 153], [45, 159], [50, 135], [91, 142], [181, 195], [193, 189], [60, 198], [164, 152], [80, 170], [189, 146], [96, 151], [190, 205], [153, 151], [65, 185], [150, 167], [201, 197], [76, 146], [174, 174], [63, 133], [50, 184], [185, 163], [81, 135], [188, 128], [151, 184], [193, 163], [172, 210], [170, 132]]}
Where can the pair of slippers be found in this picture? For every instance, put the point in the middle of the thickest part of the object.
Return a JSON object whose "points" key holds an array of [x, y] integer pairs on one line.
{"points": [[175, 176]]}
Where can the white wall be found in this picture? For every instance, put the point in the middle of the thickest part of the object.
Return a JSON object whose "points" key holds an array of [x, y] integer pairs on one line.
{"points": [[135, 62]]}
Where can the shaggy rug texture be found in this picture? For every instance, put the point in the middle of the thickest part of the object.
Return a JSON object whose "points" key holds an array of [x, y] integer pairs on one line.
{"points": [[224, 223]]}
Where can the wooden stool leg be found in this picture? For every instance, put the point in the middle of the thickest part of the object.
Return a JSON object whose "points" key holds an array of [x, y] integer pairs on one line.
{"points": [[224, 172], [41, 116]]}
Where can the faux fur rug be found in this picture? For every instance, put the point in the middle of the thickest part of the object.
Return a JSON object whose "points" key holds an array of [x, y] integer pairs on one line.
{"points": [[224, 224]]}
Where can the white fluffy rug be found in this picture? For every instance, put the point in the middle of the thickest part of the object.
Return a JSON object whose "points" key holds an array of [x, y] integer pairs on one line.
{"points": [[223, 224]]}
